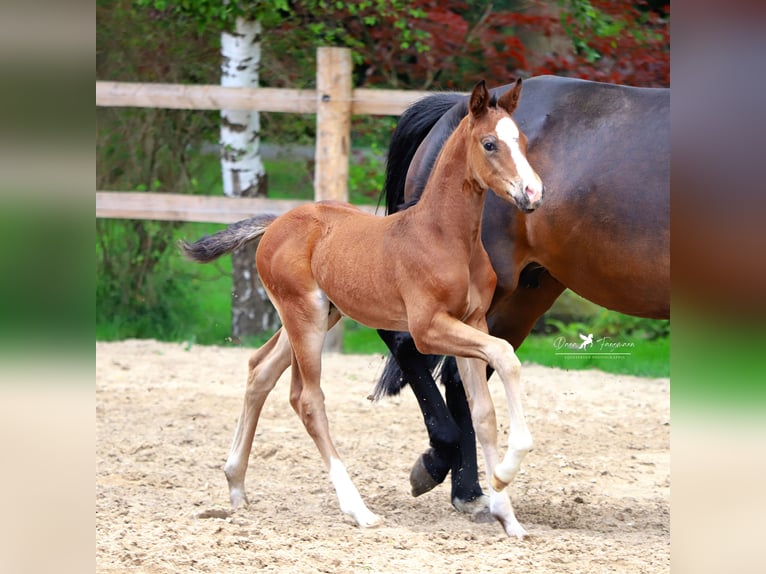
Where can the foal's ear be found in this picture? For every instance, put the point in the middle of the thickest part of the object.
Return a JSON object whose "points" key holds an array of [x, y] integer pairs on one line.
{"points": [[479, 100], [510, 99]]}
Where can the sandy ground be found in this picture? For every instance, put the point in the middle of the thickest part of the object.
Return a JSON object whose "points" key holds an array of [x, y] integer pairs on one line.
{"points": [[594, 493]]}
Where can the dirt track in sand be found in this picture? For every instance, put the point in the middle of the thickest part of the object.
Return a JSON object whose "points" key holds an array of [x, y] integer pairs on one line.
{"points": [[594, 493]]}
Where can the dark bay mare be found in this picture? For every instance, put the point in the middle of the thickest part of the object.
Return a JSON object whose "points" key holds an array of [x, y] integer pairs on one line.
{"points": [[603, 231]]}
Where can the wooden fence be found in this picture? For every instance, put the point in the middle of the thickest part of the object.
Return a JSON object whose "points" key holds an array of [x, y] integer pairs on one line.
{"points": [[334, 102]]}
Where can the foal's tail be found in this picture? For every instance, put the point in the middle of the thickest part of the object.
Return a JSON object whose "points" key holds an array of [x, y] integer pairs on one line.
{"points": [[236, 235]]}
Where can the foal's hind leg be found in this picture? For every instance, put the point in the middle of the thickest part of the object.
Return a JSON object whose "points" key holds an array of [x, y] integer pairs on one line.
{"points": [[266, 365], [307, 399]]}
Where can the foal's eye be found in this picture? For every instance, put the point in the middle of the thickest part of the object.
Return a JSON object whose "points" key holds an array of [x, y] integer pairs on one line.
{"points": [[490, 146]]}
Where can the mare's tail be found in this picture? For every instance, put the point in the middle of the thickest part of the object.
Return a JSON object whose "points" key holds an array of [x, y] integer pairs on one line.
{"points": [[392, 380], [411, 129], [236, 235]]}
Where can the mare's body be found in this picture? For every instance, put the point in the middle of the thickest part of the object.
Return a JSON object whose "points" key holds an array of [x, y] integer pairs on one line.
{"points": [[603, 231]]}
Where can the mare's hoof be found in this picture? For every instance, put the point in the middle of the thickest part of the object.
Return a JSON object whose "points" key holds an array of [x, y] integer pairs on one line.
{"points": [[477, 509], [421, 480]]}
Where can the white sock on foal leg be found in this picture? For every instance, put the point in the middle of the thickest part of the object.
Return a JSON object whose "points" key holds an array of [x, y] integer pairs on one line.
{"points": [[501, 508], [350, 500], [519, 444]]}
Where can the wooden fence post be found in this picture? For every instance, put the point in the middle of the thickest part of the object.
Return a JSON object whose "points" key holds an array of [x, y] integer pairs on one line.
{"points": [[333, 143], [333, 140]]}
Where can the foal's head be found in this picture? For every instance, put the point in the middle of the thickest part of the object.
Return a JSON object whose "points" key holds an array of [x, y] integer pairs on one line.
{"points": [[497, 148]]}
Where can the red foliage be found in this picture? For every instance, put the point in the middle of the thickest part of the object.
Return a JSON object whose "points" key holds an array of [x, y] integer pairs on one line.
{"points": [[463, 46], [639, 55]]}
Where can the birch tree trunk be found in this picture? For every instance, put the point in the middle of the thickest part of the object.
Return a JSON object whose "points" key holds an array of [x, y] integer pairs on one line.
{"points": [[244, 175]]}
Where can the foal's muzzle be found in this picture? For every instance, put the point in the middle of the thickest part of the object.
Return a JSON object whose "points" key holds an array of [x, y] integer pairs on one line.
{"points": [[529, 199]]}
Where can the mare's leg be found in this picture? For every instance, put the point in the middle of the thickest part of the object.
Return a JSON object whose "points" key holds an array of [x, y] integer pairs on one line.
{"points": [[467, 495], [515, 310], [307, 329], [444, 334], [432, 467], [266, 365]]}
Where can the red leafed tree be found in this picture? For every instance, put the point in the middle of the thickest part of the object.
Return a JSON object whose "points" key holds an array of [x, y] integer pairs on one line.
{"points": [[431, 44], [625, 42], [620, 41]]}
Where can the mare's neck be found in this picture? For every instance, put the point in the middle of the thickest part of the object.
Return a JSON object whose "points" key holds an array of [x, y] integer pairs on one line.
{"points": [[452, 202]]}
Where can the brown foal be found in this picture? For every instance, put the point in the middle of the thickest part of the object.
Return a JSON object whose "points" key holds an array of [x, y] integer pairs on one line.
{"points": [[422, 270]]}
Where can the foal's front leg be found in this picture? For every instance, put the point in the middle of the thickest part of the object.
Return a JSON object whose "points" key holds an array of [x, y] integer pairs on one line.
{"points": [[447, 335], [473, 372], [508, 368]]}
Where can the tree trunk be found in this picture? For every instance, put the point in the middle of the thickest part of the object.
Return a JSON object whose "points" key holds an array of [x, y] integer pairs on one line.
{"points": [[539, 45], [252, 313]]}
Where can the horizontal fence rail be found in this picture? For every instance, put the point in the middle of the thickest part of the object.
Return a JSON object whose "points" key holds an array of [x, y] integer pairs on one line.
{"points": [[191, 97], [194, 208]]}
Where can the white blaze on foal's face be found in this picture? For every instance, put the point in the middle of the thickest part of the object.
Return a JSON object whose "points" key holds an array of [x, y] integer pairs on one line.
{"points": [[508, 132]]}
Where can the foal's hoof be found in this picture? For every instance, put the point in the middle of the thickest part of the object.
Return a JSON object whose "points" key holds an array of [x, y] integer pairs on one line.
{"points": [[238, 498], [368, 520], [513, 528], [421, 480]]}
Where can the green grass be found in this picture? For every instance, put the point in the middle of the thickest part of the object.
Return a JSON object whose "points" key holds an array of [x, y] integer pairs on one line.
{"points": [[197, 308], [361, 340], [646, 358], [288, 179]]}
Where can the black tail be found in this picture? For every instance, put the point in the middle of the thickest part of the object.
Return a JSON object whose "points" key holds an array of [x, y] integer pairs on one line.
{"points": [[411, 130], [233, 237], [392, 381]]}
